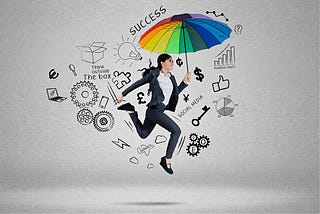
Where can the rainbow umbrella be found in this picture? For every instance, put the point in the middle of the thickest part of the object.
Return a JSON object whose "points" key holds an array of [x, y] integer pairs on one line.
{"points": [[184, 33]]}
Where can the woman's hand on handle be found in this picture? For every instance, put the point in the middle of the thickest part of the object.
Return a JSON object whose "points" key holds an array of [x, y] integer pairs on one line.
{"points": [[187, 77], [120, 98]]}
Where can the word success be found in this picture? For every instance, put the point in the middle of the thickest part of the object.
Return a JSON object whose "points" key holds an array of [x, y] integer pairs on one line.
{"points": [[147, 20]]}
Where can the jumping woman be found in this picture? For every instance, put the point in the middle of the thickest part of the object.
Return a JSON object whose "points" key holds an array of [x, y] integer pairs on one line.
{"points": [[165, 91]]}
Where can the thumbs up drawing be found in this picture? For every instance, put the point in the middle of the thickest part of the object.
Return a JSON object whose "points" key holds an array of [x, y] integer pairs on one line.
{"points": [[221, 84]]}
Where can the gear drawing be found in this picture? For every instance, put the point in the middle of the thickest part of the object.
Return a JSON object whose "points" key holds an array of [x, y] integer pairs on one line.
{"points": [[84, 94], [193, 137], [203, 141], [193, 149], [84, 116], [103, 121]]}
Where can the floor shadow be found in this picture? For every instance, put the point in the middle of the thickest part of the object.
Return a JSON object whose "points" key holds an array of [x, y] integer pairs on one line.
{"points": [[151, 203]]}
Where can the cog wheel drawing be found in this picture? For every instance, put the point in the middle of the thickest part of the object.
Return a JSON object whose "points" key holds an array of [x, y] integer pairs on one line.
{"points": [[84, 116], [193, 149], [203, 141], [193, 137], [84, 94], [103, 121]]}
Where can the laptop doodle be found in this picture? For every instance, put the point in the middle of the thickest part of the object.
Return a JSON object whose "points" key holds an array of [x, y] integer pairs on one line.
{"points": [[53, 95]]}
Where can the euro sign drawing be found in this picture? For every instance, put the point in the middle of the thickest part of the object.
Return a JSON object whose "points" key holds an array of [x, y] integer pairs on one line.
{"points": [[53, 74]]}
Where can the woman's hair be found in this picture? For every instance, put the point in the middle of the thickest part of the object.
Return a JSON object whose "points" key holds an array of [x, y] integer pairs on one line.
{"points": [[161, 58], [146, 71]]}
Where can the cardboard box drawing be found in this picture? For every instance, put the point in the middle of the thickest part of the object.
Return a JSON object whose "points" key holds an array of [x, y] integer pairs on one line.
{"points": [[92, 53]]}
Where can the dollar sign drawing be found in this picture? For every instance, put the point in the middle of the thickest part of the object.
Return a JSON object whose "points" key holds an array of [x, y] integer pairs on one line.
{"points": [[197, 72], [140, 97], [179, 62], [53, 74]]}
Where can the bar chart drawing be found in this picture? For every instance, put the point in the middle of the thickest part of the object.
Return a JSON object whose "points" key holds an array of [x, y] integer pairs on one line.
{"points": [[226, 59]]}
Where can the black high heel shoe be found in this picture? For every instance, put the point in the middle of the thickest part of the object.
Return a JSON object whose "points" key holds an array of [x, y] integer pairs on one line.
{"points": [[163, 163], [126, 107]]}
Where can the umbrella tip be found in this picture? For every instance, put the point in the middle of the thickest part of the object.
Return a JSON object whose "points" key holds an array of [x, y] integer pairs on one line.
{"points": [[181, 17]]}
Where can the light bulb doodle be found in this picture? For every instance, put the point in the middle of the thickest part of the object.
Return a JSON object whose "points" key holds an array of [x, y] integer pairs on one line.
{"points": [[127, 51]]}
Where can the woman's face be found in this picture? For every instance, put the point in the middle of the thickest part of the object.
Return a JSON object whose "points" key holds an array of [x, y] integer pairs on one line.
{"points": [[168, 64]]}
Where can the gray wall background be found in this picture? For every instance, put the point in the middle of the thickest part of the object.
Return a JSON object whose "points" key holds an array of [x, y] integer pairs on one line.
{"points": [[272, 140]]}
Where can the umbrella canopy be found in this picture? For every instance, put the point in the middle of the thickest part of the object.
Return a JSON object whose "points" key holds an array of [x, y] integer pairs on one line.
{"points": [[184, 33]]}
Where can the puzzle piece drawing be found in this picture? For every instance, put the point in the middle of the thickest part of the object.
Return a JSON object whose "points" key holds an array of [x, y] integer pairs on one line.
{"points": [[121, 78]]}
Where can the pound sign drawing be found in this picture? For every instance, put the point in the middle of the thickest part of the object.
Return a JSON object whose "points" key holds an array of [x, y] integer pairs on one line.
{"points": [[140, 96]]}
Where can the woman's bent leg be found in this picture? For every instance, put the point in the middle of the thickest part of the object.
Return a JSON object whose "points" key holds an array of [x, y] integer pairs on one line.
{"points": [[144, 129], [166, 122]]}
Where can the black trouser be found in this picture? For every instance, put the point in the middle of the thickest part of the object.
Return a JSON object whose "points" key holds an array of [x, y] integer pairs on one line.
{"points": [[155, 115]]}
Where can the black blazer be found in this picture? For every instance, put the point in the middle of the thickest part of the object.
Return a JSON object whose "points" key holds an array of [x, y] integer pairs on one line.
{"points": [[157, 94]]}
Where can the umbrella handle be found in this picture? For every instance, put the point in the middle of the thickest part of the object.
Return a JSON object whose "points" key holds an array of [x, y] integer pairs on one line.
{"points": [[185, 53], [188, 79], [185, 48]]}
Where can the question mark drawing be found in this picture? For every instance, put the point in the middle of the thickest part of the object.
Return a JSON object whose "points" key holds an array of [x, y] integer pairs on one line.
{"points": [[237, 29]]}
